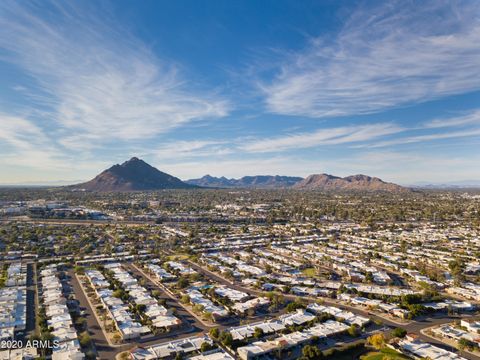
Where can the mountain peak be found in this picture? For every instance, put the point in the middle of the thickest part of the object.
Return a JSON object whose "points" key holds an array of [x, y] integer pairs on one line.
{"points": [[133, 160], [133, 175]]}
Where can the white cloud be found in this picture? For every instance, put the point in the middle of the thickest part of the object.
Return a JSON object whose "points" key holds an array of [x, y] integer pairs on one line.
{"points": [[425, 138], [25, 146], [192, 149], [408, 167], [329, 136], [367, 135], [100, 82], [30, 156], [392, 55], [472, 117], [19, 133]]}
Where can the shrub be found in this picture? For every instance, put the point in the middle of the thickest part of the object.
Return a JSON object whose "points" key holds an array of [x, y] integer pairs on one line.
{"points": [[311, 352], [399, 332]]}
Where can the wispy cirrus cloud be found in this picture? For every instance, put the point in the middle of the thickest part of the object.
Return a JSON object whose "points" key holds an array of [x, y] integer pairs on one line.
{"points": [[98, 81], [24, 144], [192, 149], [19, 133], [396, 54], [370, 135], [470, 118], [425, 138], [461, 126], [408, 167], [328, 136]]}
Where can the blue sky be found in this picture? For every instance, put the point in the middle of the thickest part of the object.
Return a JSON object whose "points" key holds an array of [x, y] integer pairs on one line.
{"points": [[234, 88]]}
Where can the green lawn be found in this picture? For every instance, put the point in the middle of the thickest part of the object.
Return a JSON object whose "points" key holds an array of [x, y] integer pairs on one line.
{"points": [[380, 355], [178, 257], [310, 272], [346, 353]]}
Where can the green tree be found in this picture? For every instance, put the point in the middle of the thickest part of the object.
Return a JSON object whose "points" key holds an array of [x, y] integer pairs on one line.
{"points": [[226, 338], [140, 308], [84, 339], [80, 270], [205, 347], [258, 333], [119, 293], [183, 283], [354, 330], [399, 332], [466, 344], [294, 305], [214, 333], [310, 352]]}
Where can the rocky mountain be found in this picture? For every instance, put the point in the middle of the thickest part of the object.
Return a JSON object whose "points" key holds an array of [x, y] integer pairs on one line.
{"points": [[211, 181], [259, 181], [133, 175], [350, 183], [137, 175]]}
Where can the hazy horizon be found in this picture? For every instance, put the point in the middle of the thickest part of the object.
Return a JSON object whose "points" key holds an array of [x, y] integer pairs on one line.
{"points": [[459, 183]]}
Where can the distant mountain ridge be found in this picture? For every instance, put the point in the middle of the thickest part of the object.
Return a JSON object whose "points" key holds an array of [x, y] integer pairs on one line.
{"points": [[464, 184], [133, 175], [323, 182], [258, 181], [358, 182], [137, 175]]}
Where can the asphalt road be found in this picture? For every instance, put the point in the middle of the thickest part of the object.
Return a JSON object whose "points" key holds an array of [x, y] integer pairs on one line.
{"points": [[31, 299], [86, 222]]}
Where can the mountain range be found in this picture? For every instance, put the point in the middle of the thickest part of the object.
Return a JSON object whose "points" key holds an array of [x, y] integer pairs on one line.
{"points": [[259, 181], [464, 184], [137, 175]]}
